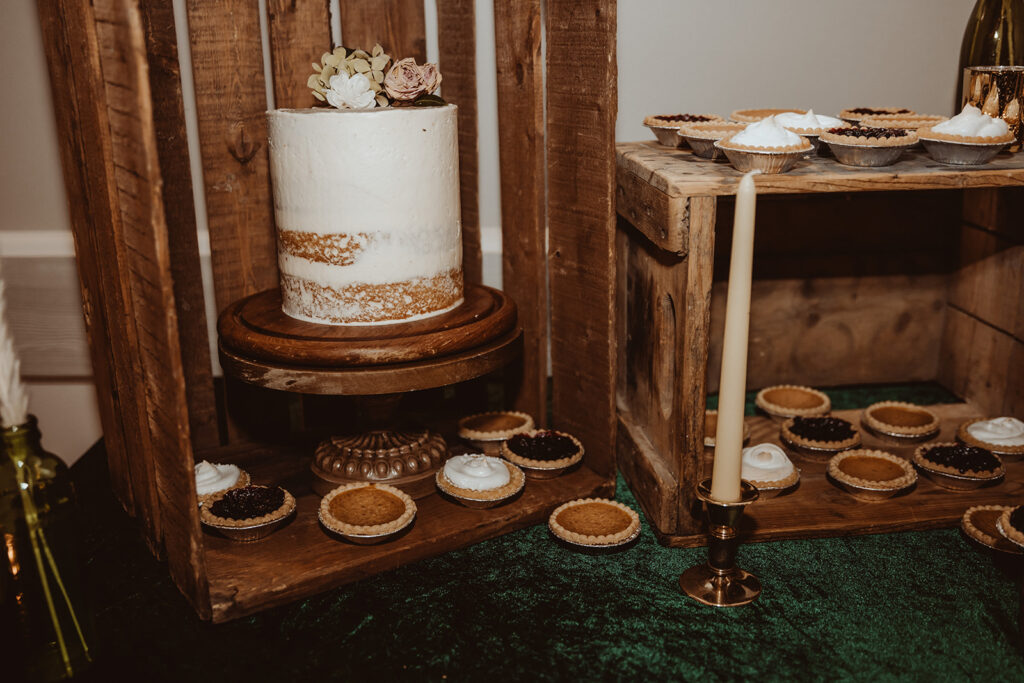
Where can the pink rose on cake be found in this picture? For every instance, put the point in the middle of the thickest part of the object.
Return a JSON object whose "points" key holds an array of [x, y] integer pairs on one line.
{"points": [[407, 81]]}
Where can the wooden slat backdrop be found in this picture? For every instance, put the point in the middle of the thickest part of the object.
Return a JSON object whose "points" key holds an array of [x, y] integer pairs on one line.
{"points": [[142, 246], [179, 209], [456, 37], [398, 25], [517, 37], [581, 93], [227, 58], [300, 32]]}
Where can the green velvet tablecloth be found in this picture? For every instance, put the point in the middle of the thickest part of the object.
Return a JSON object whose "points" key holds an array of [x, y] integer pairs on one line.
{"points": [[908, 606]]}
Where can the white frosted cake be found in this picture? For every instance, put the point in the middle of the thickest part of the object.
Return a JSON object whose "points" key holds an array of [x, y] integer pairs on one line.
{"points": [[367, 211]]}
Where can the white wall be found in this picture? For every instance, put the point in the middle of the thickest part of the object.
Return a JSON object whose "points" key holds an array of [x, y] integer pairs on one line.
{"points": [[673, 56]]}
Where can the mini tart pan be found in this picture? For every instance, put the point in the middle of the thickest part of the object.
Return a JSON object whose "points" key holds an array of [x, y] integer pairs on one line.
{"points": [[711, 426], [954, 481], [961, 153], [773, 489], [783, 401], [867, 489], [486, 431], [579, 537], [767, 160], [371, 533], [543, 469], [702, 136], [1011, 534], [248, 530], [1004, 452], [981, 524], [900, 422], [487, 498]]}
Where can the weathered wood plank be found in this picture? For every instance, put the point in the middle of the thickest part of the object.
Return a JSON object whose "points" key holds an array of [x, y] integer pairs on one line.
{"points": [[165, 459], [982, 364], [650, 480], [997, 210], [581, 99], [662, 219], [456, 37], [989, 283], [517, 35], [179, 210], [231, 105], [679, 173], [300, 32], [398, 25]]}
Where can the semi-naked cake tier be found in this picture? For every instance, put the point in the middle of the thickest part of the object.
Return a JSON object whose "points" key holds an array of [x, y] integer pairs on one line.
{"points": [[367, 211]]}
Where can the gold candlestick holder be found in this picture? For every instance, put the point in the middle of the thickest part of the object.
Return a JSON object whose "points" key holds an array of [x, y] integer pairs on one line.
{"points": [[719, 582]]}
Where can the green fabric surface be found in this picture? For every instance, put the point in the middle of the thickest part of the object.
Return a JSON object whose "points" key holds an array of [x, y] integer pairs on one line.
{"points": [[916, 606]]}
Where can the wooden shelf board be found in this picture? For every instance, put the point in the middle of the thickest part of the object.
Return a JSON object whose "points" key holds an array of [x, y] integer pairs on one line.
{"points": [[817, 508], [301, 559], [680, 173]]}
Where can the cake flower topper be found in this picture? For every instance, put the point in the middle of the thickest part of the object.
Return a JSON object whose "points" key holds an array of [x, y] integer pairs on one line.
{"points": [[357, 80]]}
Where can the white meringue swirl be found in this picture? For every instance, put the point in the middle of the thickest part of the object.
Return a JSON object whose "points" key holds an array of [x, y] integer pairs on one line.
{"points": [[1002, 431], [765, 462], [476, 472]]}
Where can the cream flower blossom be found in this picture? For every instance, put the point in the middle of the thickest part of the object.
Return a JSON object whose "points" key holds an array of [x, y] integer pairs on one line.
{"points": [[350, 92]]}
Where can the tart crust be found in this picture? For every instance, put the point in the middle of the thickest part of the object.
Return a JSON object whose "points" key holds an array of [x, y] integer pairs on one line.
{"points": [[243, 480], [864, 141], [1011, 532], [851, 113], [836, 471], [979, 522], [802, 146], [517, 459], [921, 460], [752, 115], [494, 426], [593, 515], [999, 449], [332, 522], [287, 507], [516, 481], [900, 418], [664, 121], [803, 442], [784, 483], [710, 130], [791, 400], [902, 121], [929, 134]]}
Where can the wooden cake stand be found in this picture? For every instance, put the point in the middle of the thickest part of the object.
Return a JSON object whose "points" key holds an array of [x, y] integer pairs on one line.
{"points": [[261, 345]]}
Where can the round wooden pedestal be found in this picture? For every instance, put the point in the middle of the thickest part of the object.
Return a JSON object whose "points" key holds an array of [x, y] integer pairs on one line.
{"points": [[261, 345]]}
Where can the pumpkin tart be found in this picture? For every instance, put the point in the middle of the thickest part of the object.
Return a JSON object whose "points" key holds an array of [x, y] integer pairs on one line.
{"points": [[364, 509], [900, 421], [871, 474], [790, 400], [1011, 524], [594, 522], [981, 524]]}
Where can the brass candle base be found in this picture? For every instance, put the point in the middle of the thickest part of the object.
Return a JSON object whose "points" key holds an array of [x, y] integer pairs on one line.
{"points": [[719, 582]]}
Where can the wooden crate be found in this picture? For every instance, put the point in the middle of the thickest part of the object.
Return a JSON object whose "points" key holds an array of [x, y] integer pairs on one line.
{"points": [[910, 272], [116, 78]]}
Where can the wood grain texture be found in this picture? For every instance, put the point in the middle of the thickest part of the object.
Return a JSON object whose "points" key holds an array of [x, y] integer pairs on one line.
{"points": [[257, 328], [645, 469], [517, 36], [997, 210], [373, 380], [245, 578], [581, 100], [662, 220], [180, 218], [680, 173], [456, 38], [69, 37], [141, 239], [227, 69], [398, 25], [300, 32], [818, 508], [982, 364], [989, 282]]}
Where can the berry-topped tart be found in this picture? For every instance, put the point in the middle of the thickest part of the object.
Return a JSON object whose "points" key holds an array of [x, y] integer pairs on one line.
{"points": [[957, 466], [248, 513], [1004, 436], [871, 475], [857, 114], [1011, 524], [809, 125], [595, 523], [702, 136], [752, 115], [900, 422], [872, 147], [480, 481], [819, 438], [768, 469], [981, 524], [783, 401], [543, 453], [969, 138], [905, 121], [764, 146], [666, 126], [367, 513]]}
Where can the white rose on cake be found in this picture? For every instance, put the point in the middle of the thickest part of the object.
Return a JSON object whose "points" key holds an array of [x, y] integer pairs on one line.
{"points": [[351, 92]]}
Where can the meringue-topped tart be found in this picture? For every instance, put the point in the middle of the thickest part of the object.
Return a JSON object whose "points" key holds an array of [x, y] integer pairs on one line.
{"points": [[970, 125], [809, 123], [766, 135], [479, 478], [1001, 435], [766, 465], [212, 478]]}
